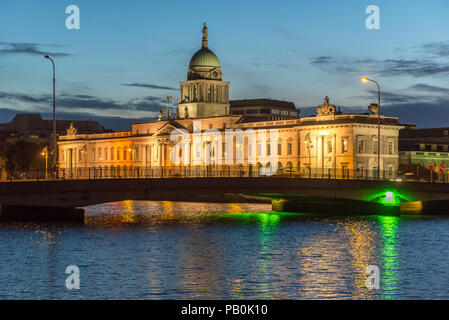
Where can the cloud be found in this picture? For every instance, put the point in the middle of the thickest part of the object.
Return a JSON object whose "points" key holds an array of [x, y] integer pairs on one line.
{"points": [[417, 93], [439, 49], [71, 102], [429, 88], [277, 65], [28, 48], [24, 97], [381, 67], [147, 85]]}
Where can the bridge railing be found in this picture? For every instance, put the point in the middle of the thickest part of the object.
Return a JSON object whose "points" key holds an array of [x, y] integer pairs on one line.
{"points": [[135, 172]]}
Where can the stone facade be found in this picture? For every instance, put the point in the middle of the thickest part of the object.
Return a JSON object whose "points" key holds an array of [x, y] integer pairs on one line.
{"points": [[329, 144]]}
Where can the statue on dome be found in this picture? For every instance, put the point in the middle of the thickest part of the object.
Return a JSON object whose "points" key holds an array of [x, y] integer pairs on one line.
{"points": [[161, 115], [204, 35], [204, 31]]}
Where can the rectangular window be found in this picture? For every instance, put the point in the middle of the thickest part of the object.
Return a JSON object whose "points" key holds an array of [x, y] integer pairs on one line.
{"points": [[268, 149], [112, 154], [105, 154], [211, 125], [124, 153], [279, 149], [361, 146], [118, 154], [344, 145], [137, 154], [329, 146], [80, 155], [390, 147], [289, 148], [375, 145]]}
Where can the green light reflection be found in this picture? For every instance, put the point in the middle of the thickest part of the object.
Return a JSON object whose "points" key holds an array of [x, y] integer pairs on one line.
{"points": [[268, 225], [389, 256]]}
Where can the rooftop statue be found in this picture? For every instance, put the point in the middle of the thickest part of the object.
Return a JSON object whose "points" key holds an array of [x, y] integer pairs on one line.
{"points": [[326, 109]]}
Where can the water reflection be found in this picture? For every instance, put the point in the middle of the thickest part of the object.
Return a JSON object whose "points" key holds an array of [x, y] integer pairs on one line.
{"points": [[390, 261], [362, 253], [172, 250]]}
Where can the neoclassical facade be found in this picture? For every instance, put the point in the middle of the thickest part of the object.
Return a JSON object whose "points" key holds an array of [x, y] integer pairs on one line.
{"points": [[205, 133]]}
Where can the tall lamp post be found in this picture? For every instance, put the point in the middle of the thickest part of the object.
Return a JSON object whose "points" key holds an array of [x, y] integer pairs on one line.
{"points": [[54, 154], [365, 79]]}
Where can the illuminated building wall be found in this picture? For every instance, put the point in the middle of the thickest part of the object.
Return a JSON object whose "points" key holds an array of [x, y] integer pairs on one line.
{"points": [[329, 143]]}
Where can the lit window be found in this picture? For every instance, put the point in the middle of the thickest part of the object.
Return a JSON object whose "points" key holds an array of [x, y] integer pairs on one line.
{"points": [[344, 145], [329, 146]]}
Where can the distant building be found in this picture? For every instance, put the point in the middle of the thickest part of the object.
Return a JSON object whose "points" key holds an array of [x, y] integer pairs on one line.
{"points": [[428, 148], [31, 126], [264, 109]]}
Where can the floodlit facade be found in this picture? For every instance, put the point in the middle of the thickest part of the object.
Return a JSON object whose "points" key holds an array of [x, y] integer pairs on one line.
{"points": [[205, 133]]}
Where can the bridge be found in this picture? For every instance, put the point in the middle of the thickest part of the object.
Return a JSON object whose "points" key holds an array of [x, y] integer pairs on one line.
{"points": [[59, 199]]}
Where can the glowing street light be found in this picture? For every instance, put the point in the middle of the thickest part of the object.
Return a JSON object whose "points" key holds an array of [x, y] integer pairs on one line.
{"points": [[366, 79], [45, 154]]}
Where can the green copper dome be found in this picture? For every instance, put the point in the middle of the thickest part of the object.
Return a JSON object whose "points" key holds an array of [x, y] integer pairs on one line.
{"points": [[204, 58]]}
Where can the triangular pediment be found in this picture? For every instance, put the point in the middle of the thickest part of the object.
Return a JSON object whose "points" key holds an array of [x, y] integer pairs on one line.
{"points": [[168, 128]]}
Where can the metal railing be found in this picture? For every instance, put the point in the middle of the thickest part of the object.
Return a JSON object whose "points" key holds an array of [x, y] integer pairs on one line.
{"points": [[134, 172]]}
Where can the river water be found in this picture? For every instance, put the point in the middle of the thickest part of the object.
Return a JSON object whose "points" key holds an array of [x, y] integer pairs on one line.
{"points": [[169, 250]]}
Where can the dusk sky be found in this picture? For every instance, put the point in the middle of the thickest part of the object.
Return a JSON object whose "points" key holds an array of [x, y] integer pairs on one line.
{"points": [[128, 56]]}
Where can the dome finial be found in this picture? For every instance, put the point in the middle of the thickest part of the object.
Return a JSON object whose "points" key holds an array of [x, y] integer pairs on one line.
{"points": [[204, 35]]}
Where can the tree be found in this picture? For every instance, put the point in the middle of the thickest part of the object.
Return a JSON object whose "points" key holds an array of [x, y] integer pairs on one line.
{"points": [[20, 155]]}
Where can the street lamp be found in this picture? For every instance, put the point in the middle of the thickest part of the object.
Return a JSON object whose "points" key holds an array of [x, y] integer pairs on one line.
{"points": [[365, 79], [54, 155], [45, 154]]}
